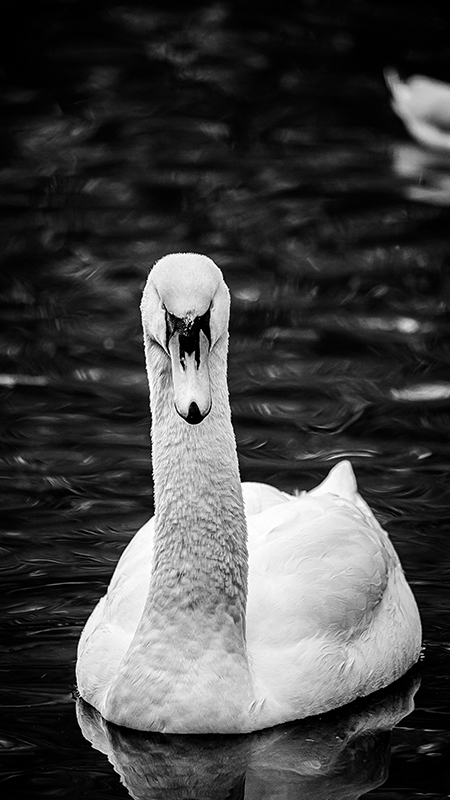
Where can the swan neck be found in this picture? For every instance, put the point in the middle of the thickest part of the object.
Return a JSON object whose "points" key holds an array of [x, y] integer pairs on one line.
{"points": [[200, 556]]}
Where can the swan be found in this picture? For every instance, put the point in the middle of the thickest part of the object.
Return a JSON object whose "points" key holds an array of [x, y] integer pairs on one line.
{"points": [[237, 607], [424, 106]]}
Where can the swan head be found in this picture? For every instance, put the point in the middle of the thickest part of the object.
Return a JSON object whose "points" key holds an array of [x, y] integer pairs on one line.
{"points": [[185, 310]]}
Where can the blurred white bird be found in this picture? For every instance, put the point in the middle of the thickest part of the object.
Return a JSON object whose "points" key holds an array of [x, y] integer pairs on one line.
{"points": [[424, 106]]}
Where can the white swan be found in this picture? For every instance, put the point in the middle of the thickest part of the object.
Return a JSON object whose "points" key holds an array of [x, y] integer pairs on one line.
{"points": [[179, 644], [424, 106]]}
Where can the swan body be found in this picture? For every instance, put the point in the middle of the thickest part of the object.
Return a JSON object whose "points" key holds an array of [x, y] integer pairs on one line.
{"points": [[424, 106], [237, 606]]}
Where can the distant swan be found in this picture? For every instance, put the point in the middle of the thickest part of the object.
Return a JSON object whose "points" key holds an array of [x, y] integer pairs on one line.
{"points": [[236, 607], [424, 106]]}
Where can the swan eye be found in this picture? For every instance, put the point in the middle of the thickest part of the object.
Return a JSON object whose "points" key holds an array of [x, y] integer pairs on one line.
{"points": [[171, 326], [204, 322]]}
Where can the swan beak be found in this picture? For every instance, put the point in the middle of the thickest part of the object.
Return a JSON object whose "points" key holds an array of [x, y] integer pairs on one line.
{"points": [[189, 350]]}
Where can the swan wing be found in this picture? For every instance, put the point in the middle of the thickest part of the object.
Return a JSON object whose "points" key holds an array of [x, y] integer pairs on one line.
{"points": [[260, 496], [112, 624], [324, 583], [316, 567]]}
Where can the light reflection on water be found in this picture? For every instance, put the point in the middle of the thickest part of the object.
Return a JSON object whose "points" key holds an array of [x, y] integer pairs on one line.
{"points": [[134, 133]]}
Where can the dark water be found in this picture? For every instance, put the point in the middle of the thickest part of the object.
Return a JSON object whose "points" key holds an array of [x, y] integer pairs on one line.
{"points": [[260, 134]]}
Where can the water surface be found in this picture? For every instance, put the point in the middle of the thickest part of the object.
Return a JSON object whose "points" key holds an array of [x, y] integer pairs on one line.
{"points": [[260, 135]]}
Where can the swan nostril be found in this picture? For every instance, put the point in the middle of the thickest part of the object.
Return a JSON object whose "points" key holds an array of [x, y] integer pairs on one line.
{"points": [[194, 415]]}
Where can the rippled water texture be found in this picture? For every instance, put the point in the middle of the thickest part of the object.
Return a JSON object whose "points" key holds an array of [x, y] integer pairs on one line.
{"points": [[260, 134]]}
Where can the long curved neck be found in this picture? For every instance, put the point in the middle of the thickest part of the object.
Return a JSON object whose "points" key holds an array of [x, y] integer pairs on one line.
{"points": [[200, 555], [186, 669]]}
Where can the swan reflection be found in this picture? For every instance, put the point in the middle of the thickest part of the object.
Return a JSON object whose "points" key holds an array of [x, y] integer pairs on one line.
{"points": [[425, 174], [342, 754]]}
